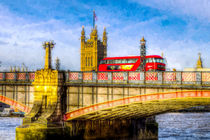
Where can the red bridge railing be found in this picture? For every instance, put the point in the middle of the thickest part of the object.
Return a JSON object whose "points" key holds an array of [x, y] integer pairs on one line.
{"points": [[17, 76], [167, 77]]}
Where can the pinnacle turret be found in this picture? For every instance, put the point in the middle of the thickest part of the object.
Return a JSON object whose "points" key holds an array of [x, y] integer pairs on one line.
{"points": [[104, 37], [199, 62]]}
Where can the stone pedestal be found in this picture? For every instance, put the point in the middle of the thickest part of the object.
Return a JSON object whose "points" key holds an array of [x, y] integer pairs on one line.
{"points": [[45, 120]]}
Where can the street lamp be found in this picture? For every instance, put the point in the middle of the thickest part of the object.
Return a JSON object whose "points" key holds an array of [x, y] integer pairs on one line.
{"points": [[143, 54]]}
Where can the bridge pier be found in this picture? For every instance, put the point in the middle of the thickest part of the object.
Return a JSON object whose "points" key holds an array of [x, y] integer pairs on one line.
{"points": [[144, 128], [45, 120]]}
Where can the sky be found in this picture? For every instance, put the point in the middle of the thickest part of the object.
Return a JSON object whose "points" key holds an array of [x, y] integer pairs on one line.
{"points": [[180, 29]]}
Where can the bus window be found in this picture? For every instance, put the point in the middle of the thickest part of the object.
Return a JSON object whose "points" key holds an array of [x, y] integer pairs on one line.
{"points": [[150, 60], [117, 61], [109, 61], [132, 60], [124, 61], [103, 62], [160, 60]]}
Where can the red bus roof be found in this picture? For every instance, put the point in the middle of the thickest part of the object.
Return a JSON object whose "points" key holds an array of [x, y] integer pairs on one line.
{"points": [[132, 57]]}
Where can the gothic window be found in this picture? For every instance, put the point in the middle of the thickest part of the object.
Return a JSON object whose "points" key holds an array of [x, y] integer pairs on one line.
{"points": [[86, 60], [91, 60]]}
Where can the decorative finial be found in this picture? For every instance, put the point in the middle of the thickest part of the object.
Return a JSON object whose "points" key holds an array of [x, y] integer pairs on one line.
{"points": [[199, 62], [83, 31], [14, 70], [104, 31], [143, 40]]}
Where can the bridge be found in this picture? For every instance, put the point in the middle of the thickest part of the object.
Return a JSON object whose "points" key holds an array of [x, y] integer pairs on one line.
{"points": [[100, 96], [91, 105], [88, 88]]}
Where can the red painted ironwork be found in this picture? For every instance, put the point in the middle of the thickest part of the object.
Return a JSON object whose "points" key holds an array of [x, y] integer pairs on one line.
{"points": [[88, 76], [31, 76], [188, 76], [118, 76], [102, 76], [1, 76], [134, 76], [73, 76], [21, 76], [151, 76], [10, 76], [205, 77], [169, 76], [15, 104], [139, 98]]}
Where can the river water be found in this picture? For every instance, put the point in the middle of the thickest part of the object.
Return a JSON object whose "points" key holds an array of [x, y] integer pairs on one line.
{"points": [[172, 126]]}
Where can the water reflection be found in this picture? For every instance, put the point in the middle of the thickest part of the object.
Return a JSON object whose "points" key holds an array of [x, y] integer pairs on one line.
{"points": [[175, 126], [172, 126], [7, 127]]}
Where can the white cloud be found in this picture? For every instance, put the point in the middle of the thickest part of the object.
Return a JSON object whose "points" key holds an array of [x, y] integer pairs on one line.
{"points": [[21, 40]]}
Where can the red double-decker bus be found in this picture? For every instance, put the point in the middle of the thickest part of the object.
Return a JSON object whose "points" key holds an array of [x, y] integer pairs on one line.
{"points": [[132, 63]]}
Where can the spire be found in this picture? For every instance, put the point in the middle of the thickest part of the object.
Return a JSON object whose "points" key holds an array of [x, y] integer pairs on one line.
{"points": [[14, 70], [18, 69], [94, 18], [83, 31], [199, 62], [83, 34], [104, 37]]}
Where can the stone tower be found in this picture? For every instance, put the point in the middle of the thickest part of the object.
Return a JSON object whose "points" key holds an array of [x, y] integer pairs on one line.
{"points": [[92, 50]]}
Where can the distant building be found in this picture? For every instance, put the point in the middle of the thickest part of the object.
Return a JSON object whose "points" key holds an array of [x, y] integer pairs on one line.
{"points": [[199, 66], [92, 50]]}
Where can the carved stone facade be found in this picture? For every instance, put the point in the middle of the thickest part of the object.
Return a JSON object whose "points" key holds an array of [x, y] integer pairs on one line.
{"points": [[45, 120], [92, 50]]}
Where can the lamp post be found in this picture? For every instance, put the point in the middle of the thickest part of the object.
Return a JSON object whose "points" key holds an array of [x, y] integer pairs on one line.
{"points": [[142, 54], [48, 46]]}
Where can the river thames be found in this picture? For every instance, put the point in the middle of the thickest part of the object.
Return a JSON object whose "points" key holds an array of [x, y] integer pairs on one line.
{"points": [[172, 126]]}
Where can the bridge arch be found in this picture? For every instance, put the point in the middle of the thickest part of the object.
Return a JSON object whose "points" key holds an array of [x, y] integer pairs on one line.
{"points": [[15, 104], [141, 105]]}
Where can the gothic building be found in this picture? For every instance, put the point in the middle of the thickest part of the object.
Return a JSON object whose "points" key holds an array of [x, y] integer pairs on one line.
{"points": [[92, 50]]}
